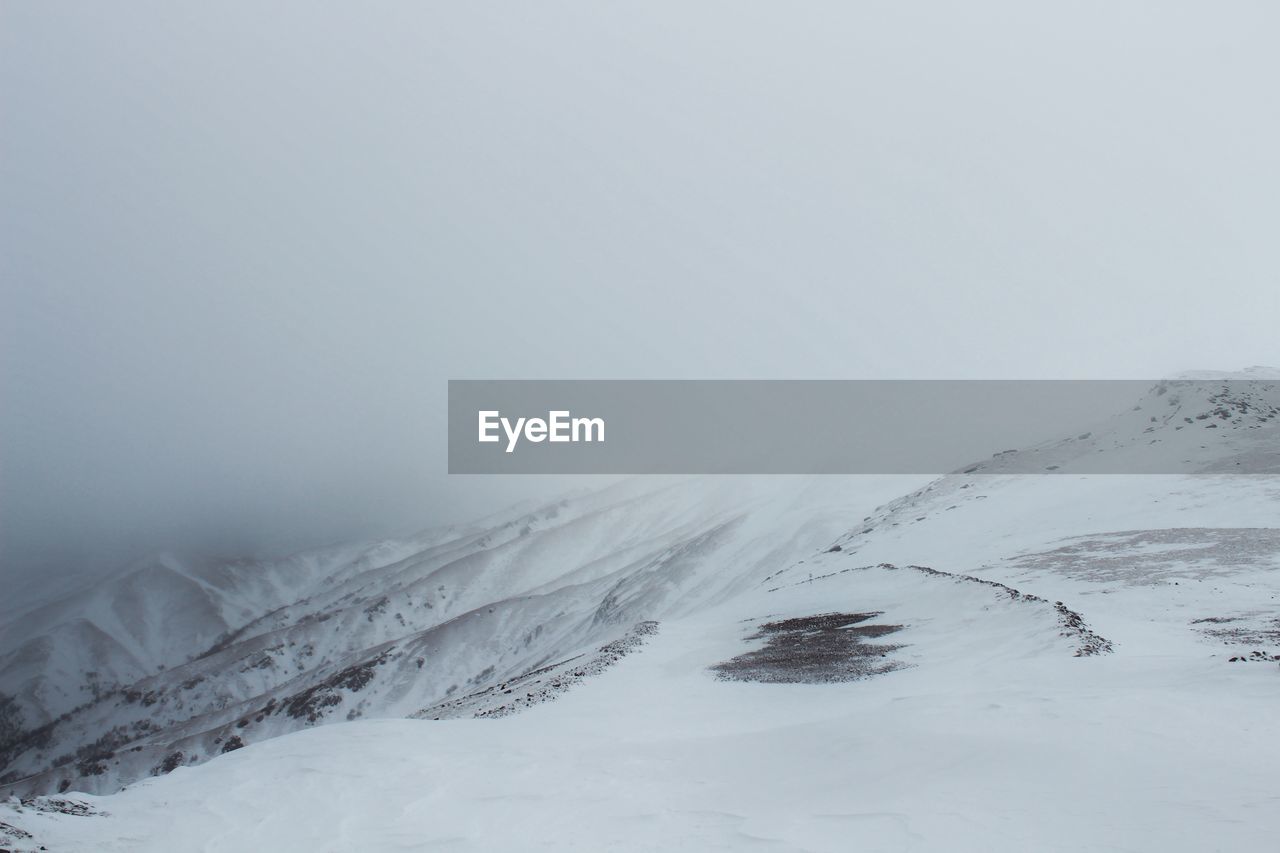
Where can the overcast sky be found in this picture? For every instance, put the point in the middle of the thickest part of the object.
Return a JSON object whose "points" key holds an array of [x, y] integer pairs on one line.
{"points": [[244, 245]]}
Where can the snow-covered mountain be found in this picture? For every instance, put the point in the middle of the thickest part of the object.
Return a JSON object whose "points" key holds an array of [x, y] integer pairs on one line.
{"points": [[1179, 425], [166, 665], [987, 660]]}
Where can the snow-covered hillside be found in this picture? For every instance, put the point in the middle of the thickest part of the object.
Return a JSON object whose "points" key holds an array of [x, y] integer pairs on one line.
{"points": [[397, 627], [991, 660]]}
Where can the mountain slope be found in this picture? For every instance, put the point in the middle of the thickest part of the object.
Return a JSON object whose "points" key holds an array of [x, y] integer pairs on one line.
{"points": [[378, 638], [990, 660], [989, 731]]}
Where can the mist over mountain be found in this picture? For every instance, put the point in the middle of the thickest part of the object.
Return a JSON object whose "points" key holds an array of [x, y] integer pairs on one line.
{"points": [[245, 248], [235, 273], [707, 597]]}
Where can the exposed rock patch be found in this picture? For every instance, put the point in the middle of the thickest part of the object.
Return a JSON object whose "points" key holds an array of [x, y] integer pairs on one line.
{"points": [[1144, 557], [1071, 623], [544, 684], [828, 647]]}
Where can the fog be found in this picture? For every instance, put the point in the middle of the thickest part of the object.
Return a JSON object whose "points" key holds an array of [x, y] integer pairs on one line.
{"points": [[243, 247]]}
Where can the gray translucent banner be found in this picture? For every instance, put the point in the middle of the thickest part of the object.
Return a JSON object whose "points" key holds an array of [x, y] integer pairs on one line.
{"points": [[863, 426]]}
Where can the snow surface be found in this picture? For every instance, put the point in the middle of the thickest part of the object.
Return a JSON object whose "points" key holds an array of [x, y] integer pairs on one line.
{"points": [[994, 729]]}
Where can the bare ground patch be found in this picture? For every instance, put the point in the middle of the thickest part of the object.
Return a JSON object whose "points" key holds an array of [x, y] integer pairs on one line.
{"points": [[1256, 629], [828, 647], [1140, 557]]}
